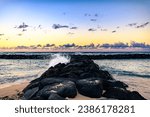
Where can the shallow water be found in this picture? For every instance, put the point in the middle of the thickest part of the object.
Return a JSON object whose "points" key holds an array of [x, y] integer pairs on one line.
{"points": [[16, 70], [127, 67]]}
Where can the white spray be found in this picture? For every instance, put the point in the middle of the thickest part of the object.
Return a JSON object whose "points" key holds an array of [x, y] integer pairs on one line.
{"points": [[58, 58]]}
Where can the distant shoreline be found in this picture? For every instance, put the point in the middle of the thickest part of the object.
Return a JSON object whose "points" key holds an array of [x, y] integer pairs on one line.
{"points": [[95, 57]]}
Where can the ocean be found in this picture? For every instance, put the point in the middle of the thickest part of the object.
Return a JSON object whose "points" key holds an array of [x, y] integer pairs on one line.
{"points": [[19, 70]]}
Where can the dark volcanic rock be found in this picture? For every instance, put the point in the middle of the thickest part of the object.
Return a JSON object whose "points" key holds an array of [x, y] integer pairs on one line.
{"points": [[31, 85], [90, 87], [68, 90], [55, 96], [122, 94], [49, 81], [134, 95], [107, 84], [82, 74], [30, 93], [64, 89]]}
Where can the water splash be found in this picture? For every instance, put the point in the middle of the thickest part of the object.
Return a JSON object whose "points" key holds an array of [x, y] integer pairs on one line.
{"points": [[58, 58]]}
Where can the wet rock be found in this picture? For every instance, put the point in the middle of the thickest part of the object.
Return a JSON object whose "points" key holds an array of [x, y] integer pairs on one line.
{"points": [[30, 93], [30, 86], [90, 87]]}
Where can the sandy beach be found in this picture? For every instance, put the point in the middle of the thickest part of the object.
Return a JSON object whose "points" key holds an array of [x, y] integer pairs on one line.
{"points": [[139, 84]]}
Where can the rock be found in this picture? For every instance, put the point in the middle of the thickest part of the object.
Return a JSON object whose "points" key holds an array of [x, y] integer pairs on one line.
{"points": [[82, 74], [107, 84], [69, 90], [30, 86], [30, 93], [117, 93], [64, 89], [105, 75], [49, 81], [134, 95], [90, 87], [122, 94], [55, 96]]}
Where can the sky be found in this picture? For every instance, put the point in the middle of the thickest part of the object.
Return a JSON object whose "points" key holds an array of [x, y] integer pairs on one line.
{"points": [[82, 22]]}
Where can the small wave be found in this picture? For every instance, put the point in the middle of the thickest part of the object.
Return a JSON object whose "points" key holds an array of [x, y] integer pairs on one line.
{"points": [[133, 74], [58, 58], [14, 79], [123, 72], [129, 73]]}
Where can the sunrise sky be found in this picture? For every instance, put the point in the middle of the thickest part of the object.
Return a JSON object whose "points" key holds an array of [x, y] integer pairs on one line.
{"points": [[33, 22]]}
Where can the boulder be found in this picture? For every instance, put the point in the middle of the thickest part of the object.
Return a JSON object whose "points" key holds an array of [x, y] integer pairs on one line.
{"points": [[49, 81], [64, 89], [30, 93], [117, 93], [107, 84], [30, 86], [55, 96], [90, 87], [122, 94], [134, 95]]}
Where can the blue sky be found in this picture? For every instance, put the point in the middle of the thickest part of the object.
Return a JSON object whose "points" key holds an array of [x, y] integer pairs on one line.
{"points": [[51, 11], [108, 14]]}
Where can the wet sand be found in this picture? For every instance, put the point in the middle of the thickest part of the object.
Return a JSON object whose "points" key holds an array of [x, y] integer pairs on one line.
{"points": [[139, 84]]}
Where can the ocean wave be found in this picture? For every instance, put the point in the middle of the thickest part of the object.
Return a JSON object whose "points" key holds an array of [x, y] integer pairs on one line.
{"points": [[126, 73]]}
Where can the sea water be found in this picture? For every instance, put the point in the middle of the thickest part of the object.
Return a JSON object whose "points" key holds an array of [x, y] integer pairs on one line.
{"points": [[17, 70]]}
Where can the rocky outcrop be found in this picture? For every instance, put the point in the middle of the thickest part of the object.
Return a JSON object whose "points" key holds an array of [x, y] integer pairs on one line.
{"points": [[81, 75]]}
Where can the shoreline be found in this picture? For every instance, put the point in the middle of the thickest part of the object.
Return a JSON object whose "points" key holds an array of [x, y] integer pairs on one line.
{"points": [[135, 84]]}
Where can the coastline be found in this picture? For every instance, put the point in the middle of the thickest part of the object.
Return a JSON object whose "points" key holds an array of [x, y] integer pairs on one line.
{"points": [[135, 84]]}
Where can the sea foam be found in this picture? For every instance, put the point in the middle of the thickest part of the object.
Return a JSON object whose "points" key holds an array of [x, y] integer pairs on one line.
{"points": [[58, 58]]}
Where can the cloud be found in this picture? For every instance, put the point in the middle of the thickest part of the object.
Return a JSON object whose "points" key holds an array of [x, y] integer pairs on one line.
{"points": [[87, 14], [96, 15], [132, 24], [1, 34], [115, 45], [40, 26], [22, 26], [93, 20], [119, 45], [22, 47], [113, 31], [106, 45], [23, 30], [49, 45], [91, 29], [57, 26], [90, 46], [70, 33], [143, 25], [139, 45], [68, 45], [19, 34], [73, 27], [103, 29]]}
